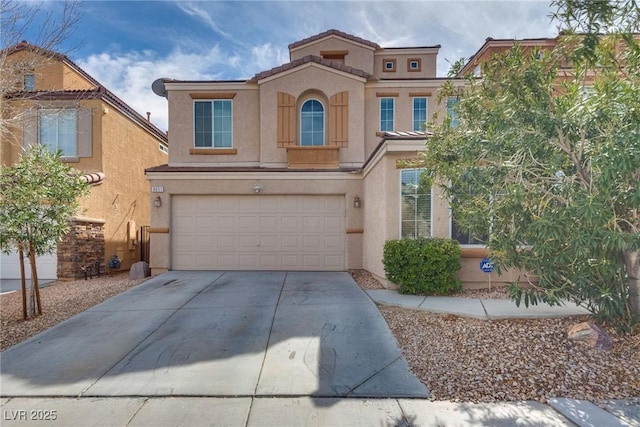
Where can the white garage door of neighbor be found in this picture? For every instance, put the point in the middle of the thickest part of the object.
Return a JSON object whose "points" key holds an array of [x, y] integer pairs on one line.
{"points": [[10, 266], [258, 232]]}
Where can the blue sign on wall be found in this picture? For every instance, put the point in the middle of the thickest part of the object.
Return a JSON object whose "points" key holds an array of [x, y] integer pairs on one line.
{"points": [[487, 265]]}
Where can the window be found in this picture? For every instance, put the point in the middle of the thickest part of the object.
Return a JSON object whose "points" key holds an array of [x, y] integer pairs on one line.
{"points": [[452, 101], [388, 65], [462, 236], [415, 205], [213, 124], [312, 123], [414, 64], [58, 129], [419, 113], [163, 148], [386, 114], [29, 82]]}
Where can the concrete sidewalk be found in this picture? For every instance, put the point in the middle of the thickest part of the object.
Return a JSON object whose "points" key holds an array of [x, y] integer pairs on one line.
{"points": [[307, 411], [254, 349], [484, 309]]}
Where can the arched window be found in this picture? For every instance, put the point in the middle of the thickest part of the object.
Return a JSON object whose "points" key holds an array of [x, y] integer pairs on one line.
{"points": [[312, 123]]}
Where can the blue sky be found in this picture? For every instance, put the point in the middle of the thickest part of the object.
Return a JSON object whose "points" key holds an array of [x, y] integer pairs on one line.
{"points": [[126, 45]]}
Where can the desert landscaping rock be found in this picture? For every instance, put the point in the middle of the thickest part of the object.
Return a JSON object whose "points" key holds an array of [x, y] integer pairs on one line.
{"points": [[592, 334]]}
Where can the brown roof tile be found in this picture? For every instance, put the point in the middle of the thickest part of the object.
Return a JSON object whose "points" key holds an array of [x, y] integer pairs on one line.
{"points": [[314, 59], [336, 33], [99, 88]]}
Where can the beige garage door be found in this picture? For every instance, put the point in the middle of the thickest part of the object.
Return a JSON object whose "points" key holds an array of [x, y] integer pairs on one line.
{"points": [[257, 232]]}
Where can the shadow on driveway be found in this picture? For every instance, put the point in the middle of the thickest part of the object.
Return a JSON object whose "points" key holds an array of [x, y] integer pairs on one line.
{"points": [[219, 334]]}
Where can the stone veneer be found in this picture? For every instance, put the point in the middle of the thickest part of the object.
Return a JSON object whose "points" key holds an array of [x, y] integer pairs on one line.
{"points": [[83, 244]]}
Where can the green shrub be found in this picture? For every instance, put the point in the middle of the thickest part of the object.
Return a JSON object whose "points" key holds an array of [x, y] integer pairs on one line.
{"points": [[423, 266]]}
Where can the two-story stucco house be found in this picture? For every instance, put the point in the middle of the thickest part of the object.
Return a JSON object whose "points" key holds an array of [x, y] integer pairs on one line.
{"points": [[301, 167], [57, 104]]}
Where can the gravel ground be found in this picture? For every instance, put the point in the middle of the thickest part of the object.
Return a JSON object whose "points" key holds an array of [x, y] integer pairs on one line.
{"points": [[458, 359], [472, 360], [60, 300]]}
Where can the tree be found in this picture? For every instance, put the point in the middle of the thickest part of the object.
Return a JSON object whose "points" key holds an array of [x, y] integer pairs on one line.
{"points": [[37, 196], [50, 28], [545, 161]]}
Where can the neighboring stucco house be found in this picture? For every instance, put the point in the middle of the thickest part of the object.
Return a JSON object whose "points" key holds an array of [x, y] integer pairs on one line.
{"points": [[301, 167], [57, 104]]}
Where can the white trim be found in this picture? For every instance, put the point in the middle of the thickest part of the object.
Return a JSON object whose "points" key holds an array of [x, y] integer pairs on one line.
{"points": [[324, 127], [393, 126], [400, 203], [193, 115], [413, 110]]}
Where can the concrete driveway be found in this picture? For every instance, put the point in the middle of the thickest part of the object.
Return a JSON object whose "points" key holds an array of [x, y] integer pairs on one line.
{"points": [[219, 334]]}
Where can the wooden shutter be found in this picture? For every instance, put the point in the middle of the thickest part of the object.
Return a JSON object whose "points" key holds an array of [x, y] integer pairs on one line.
{"points": [[339, 119], [85, 130], [286, 120]]}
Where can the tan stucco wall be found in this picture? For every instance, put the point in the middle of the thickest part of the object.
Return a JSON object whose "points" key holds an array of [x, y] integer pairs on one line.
{"points": [[319, 83], [50, 74], [358, 56], [403, 105], [381, 203], [427, 57], [125, 150], [276, 184], [381, 188], [246, 126], [121, 148]]}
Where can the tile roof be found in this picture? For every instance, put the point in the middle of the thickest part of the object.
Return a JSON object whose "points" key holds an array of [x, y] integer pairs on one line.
{"points": [[334, 33], [409, 134], [98, 92], [312, 59]]}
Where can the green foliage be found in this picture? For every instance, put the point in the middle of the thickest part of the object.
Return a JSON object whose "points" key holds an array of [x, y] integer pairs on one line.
{"points": [[37, 196], [423, 266], [553, 156]]}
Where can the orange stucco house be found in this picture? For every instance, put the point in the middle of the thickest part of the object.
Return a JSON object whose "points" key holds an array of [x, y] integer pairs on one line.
{"points": [[56, 103], [301, 166]]}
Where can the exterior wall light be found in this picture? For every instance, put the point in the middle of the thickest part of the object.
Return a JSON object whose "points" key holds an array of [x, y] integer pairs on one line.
{"points": [[157, 202], [356, 202], [257, 187]]}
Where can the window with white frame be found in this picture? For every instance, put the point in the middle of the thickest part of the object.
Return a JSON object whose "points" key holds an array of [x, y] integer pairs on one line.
{"points": [[312, 123], [389, 65], [419, 113], [58, 130], [452, 102], [415, 205], [213, 124], [386, 114], [414, 64]]}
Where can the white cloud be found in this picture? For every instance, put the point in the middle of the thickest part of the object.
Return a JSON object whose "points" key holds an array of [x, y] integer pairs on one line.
{"points": [[248, 37], [130, 75]]}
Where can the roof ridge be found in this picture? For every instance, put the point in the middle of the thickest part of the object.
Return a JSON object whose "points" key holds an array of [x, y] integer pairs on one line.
{"points": [[311, 59], [334, 32], [126, 108]]}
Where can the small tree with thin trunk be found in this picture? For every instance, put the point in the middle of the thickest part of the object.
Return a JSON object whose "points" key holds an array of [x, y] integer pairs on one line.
{"points": [[37, 196]]}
